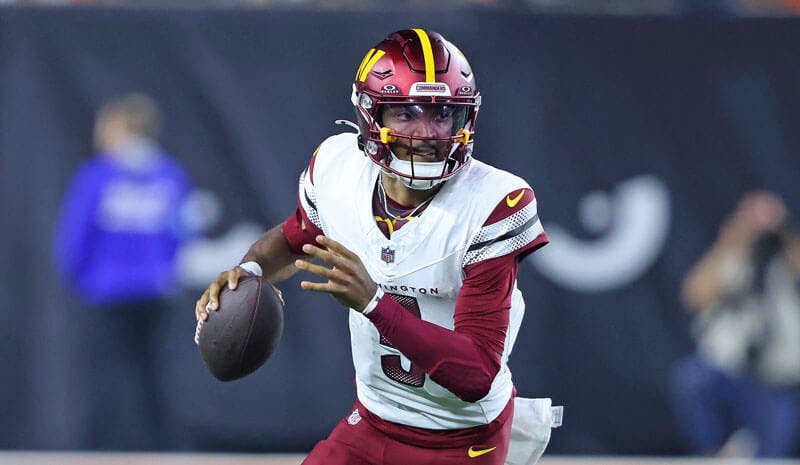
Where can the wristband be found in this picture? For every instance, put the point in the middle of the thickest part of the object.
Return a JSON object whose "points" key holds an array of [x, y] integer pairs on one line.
{"points": [[252, 268], [374, 302]]}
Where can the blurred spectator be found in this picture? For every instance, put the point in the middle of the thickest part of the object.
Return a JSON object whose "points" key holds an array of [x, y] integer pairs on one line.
{"points": [[116, 242], [738, 394], [605, 7], [770, 7]]}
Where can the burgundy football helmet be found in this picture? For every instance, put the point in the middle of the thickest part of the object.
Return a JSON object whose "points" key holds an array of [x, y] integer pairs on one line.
{"points": [[416, 67]]}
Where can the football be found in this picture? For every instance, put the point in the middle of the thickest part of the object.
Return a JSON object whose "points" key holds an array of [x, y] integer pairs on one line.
{"points": [[244, 331]]}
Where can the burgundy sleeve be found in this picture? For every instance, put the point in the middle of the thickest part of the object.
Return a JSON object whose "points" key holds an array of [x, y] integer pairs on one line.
{"points": [[466, 359], [300, 231]]}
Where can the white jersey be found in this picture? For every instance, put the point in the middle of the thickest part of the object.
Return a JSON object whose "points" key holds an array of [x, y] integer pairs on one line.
{"points": [[424, 262]]}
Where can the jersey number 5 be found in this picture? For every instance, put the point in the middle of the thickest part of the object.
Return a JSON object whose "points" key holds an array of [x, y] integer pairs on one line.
{"points": [[392, 368]]}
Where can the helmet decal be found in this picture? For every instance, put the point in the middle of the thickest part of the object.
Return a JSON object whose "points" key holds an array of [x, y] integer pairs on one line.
{"points": [[390, 89], [368, 62], [427, 55]]}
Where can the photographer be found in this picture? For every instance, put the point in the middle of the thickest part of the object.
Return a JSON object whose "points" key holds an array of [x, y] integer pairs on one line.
{"points": [[738, 393]]}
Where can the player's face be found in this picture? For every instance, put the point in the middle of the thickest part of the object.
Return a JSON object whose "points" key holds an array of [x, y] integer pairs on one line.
{"points": [[421, 122]]}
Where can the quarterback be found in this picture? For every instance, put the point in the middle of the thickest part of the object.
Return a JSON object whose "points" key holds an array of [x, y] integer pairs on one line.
{"points": [[422, 242]]}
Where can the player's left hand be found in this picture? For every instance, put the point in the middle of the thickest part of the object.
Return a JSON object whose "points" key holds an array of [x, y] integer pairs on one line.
{"points": [[348, 280]]}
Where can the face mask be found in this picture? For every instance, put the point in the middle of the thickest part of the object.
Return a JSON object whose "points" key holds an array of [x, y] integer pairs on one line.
{"points": [[421, 169]]}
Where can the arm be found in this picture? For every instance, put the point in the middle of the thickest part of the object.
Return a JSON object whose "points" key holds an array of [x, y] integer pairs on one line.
{"points": [[715, 274], [275, 252], [708, 280], [74, 223], [466, 359]]}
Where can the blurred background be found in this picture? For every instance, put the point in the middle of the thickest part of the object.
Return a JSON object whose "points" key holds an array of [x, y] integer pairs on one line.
{"points": [[641, 125]]}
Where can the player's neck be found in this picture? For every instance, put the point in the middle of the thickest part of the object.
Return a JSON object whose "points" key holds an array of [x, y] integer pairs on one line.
{"points": [[406, 196]]}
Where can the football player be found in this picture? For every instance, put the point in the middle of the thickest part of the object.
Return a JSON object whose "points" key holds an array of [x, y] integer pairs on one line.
{"points": [[423, 243]]}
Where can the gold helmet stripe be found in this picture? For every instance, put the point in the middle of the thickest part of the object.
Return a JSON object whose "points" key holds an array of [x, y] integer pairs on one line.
{"points": [[368, 63], [364, 62], [427, 53]]}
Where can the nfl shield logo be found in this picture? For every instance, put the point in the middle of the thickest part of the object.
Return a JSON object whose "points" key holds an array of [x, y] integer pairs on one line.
{"points": [[354, 418], [387, 254]]}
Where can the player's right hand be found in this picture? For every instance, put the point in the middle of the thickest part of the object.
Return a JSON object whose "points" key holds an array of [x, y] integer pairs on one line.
{"points": [[210, 299]]}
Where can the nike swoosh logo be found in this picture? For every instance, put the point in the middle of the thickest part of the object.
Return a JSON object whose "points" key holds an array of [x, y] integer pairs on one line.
{"points": [[513, 202], [477, 453]]}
